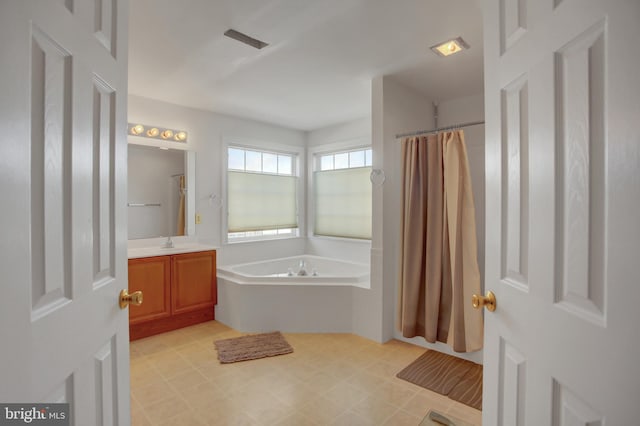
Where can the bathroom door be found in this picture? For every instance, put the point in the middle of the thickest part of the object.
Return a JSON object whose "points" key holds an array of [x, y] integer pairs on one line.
{"points": [[562, 88], [63, 86]]}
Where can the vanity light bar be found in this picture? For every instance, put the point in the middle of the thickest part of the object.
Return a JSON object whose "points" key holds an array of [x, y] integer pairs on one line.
{"points": [[156, 132]]}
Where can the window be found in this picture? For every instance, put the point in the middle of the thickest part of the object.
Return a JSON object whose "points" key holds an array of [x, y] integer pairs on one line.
{"points": [[343, 194], [261, 194]]}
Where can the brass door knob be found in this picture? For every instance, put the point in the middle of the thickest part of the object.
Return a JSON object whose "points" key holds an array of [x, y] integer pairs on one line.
{"points": [[134, 298], [489, 301]]}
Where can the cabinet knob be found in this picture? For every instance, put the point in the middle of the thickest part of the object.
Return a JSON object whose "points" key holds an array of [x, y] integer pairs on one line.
{"points": [[134, 298]]}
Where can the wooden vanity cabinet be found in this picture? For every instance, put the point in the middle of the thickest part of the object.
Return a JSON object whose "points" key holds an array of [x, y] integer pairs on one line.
{"points": [[193, 285], [178, 290], [151, 275]]}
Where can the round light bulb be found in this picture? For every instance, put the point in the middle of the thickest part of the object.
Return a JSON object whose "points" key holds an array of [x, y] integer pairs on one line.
{"points": [[180, 136], [152, 133], [137, 129], [452, 47], [167, 134]]}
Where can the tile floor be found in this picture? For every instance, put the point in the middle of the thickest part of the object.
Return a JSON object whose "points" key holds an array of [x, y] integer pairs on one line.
{"points": [[329, 379]]}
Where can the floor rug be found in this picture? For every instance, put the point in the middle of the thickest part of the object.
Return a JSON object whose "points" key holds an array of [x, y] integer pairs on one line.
{"points": [[446, 375], [253, 346], [469, 389]]}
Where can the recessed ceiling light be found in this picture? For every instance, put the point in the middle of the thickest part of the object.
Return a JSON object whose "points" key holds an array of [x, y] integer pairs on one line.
{"points": [[450, 47]]}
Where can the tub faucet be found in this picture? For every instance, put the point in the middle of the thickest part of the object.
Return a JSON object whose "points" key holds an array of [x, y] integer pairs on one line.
{"points": [[302, 271], [168, 243]]}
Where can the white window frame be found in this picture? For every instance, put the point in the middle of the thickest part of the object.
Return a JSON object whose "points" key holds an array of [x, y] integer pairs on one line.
{"points": [[317, 158], [298, 154], [313, 159]]}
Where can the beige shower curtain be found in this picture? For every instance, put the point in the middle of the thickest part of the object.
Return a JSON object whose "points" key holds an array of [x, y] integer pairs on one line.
{"points": [[182, 186], [438, 266]]}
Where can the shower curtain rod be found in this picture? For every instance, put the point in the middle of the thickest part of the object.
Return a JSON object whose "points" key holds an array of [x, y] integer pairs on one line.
{"points": [[440, 129]]}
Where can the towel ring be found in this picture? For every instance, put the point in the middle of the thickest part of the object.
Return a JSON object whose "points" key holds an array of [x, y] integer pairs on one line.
{"points": [[377, 177], [215, 201]]}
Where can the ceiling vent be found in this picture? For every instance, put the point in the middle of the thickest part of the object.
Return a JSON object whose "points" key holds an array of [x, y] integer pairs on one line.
{"points": [[243, 38]]}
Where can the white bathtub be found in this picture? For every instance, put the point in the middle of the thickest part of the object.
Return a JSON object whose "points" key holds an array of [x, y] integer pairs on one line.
{"points": [[264, 296], [285, 271]]}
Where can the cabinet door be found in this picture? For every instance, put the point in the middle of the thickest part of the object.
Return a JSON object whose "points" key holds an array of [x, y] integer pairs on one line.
{"points": [[151, 276], [193, 281]]}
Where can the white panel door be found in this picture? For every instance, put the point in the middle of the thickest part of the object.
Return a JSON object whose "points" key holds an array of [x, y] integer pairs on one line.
{"points": [[63, 80], [562, 88]]}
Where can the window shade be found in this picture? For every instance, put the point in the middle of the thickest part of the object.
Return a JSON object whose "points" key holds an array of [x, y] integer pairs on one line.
{"points": [[343, 203], [261, 201]]}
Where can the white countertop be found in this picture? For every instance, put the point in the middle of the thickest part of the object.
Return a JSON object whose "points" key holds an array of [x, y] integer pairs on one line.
{"points": [[138, 252]]}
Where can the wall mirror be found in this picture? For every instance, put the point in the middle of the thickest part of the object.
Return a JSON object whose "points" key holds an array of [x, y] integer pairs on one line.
{"points": [[161, 192]]}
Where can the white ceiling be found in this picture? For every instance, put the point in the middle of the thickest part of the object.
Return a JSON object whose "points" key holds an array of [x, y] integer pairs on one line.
{"points": [[321, 58]]}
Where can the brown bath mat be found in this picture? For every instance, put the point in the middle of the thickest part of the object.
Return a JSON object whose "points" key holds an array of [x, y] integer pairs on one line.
{"points": [[436, 371], [253, 346], [445, 374], [469, 388]]}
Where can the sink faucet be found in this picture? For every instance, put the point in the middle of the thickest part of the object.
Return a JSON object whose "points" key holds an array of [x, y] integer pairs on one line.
{"points": [[168, 243]]}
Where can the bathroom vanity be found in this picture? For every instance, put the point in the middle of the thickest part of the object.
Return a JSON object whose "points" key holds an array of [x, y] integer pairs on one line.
{"points": [[178, 286]]}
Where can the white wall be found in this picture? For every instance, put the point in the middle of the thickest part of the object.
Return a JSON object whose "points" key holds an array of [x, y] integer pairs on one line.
{"points": [[451, 112], [394, 109], [366, 315], [207, 131], [403, 110], [333, 138], [466, 110], [344, 132]]}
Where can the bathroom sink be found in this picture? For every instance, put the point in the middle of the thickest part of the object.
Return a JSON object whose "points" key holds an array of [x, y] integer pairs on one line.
{"points": [[138, 252], [183, 246]]}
